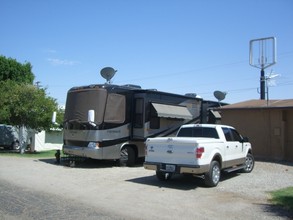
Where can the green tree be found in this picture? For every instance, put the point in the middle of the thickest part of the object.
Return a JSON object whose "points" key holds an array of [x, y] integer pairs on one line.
{"points": [[21, 103], [10, 69], [25, 105]]}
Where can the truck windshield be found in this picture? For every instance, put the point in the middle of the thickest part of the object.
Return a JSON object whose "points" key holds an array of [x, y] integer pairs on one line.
{"points": [[198, 132]]}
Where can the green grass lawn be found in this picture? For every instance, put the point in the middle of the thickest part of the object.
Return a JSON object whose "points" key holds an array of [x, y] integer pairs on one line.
{"points": [[283, 197]]}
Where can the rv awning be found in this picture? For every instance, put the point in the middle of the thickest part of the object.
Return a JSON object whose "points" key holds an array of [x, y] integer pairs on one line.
{"points": [[171, 111], [215, 114]]}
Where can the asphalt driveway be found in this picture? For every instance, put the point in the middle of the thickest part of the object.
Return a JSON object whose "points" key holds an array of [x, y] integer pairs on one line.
{"points": [[40, 189]]}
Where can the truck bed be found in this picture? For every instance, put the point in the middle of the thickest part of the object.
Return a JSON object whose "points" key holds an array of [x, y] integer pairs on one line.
{"points": [[176, 150]]}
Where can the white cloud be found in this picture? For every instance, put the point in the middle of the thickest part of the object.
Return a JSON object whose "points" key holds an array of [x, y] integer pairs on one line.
{"points": [[59, 62], [50, 51]]}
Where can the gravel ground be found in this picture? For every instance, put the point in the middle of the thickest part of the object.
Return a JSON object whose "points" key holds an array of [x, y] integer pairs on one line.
{"points": [[40, 189]]}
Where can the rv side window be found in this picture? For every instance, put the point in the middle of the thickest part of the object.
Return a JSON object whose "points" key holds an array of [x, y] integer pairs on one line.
{"points": [[138, 115], [154, 120], [115, 109]]}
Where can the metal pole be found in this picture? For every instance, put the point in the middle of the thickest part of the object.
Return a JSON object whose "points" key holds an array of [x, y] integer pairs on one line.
{"points": [[262, 84]]}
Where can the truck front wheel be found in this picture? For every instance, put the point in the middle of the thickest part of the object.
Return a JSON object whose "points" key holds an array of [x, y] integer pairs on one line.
{"points": [[212, 177]]}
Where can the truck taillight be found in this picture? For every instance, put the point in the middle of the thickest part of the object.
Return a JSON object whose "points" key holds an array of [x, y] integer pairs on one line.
{"points": [[199, 151]]}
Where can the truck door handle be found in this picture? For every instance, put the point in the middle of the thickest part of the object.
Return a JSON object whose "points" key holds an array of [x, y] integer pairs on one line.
{"points": [[169, 151]]}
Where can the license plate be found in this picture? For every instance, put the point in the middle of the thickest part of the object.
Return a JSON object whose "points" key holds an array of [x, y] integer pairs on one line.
{"points": [[170, 168]]}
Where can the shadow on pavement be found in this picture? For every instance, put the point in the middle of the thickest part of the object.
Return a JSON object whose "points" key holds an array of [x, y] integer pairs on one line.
{"points": [[180, 182], [79, 162], [277, 210]]}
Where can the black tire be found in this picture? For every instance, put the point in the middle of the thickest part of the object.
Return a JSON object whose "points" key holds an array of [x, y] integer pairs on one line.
{"points": [[249, 163], [15, 145], [127, 156], [212, 177], [163, 176]]}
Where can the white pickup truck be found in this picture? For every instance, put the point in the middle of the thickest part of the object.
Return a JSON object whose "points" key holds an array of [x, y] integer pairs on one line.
{"points": [[200, 149]]}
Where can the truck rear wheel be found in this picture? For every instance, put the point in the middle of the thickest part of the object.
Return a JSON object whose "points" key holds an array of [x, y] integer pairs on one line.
{"points": [[212, 177], [127, 156], [163, 176]]}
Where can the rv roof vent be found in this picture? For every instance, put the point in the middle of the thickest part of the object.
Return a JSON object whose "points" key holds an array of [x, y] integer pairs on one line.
{"points": [[194, 95], [108, 73], [133, 86]]}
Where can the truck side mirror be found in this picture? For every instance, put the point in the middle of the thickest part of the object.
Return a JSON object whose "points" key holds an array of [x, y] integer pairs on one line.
{"points": [[244, 139]]}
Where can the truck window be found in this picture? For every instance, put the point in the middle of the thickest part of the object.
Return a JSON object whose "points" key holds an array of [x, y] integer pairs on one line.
{"points": [[235, 135], [231, 134], [198, 132], [227, 134], [185, 132]]}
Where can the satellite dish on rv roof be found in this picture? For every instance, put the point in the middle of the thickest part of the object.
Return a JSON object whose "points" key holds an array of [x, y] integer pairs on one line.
{"points": [[108, 73], [220, 95]]}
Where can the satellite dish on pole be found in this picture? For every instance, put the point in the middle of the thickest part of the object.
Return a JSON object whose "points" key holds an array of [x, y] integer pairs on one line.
{"points": [[220, 95], [108, 73]]}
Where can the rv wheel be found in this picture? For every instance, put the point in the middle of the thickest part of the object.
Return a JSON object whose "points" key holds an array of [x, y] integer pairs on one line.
{"points": [[127, 156]]}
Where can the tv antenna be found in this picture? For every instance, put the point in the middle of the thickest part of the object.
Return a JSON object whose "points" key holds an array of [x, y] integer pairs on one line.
{"points": [[270, 81], [220, 95], [107, 73], [262, 54]]}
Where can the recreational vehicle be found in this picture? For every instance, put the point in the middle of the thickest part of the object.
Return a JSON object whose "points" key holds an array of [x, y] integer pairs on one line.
{"points": [[112, 122]]}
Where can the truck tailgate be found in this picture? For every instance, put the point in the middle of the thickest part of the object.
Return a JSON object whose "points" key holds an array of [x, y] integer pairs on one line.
{"points": [[173, 150]]}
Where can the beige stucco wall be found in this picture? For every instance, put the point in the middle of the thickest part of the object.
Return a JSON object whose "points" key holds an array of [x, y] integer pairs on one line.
{"points": [[288, 118], [269, 130]]}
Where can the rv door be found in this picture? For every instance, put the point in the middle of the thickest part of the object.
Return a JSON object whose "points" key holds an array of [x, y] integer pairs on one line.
{"points": [[138, 119]]}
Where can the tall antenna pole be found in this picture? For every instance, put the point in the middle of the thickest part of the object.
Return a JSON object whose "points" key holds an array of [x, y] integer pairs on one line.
{"points": [[262, 84], [264, 57]]}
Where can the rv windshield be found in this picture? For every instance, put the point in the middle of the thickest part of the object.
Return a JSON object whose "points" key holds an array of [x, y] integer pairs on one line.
{"points": [[79, 102], [109, 108]]}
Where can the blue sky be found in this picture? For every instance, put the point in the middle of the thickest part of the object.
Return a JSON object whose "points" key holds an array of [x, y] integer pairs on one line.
{"points": [[177, 46]]}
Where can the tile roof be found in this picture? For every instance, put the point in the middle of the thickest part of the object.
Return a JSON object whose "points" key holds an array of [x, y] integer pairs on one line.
{"points": [[258, 103]]}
